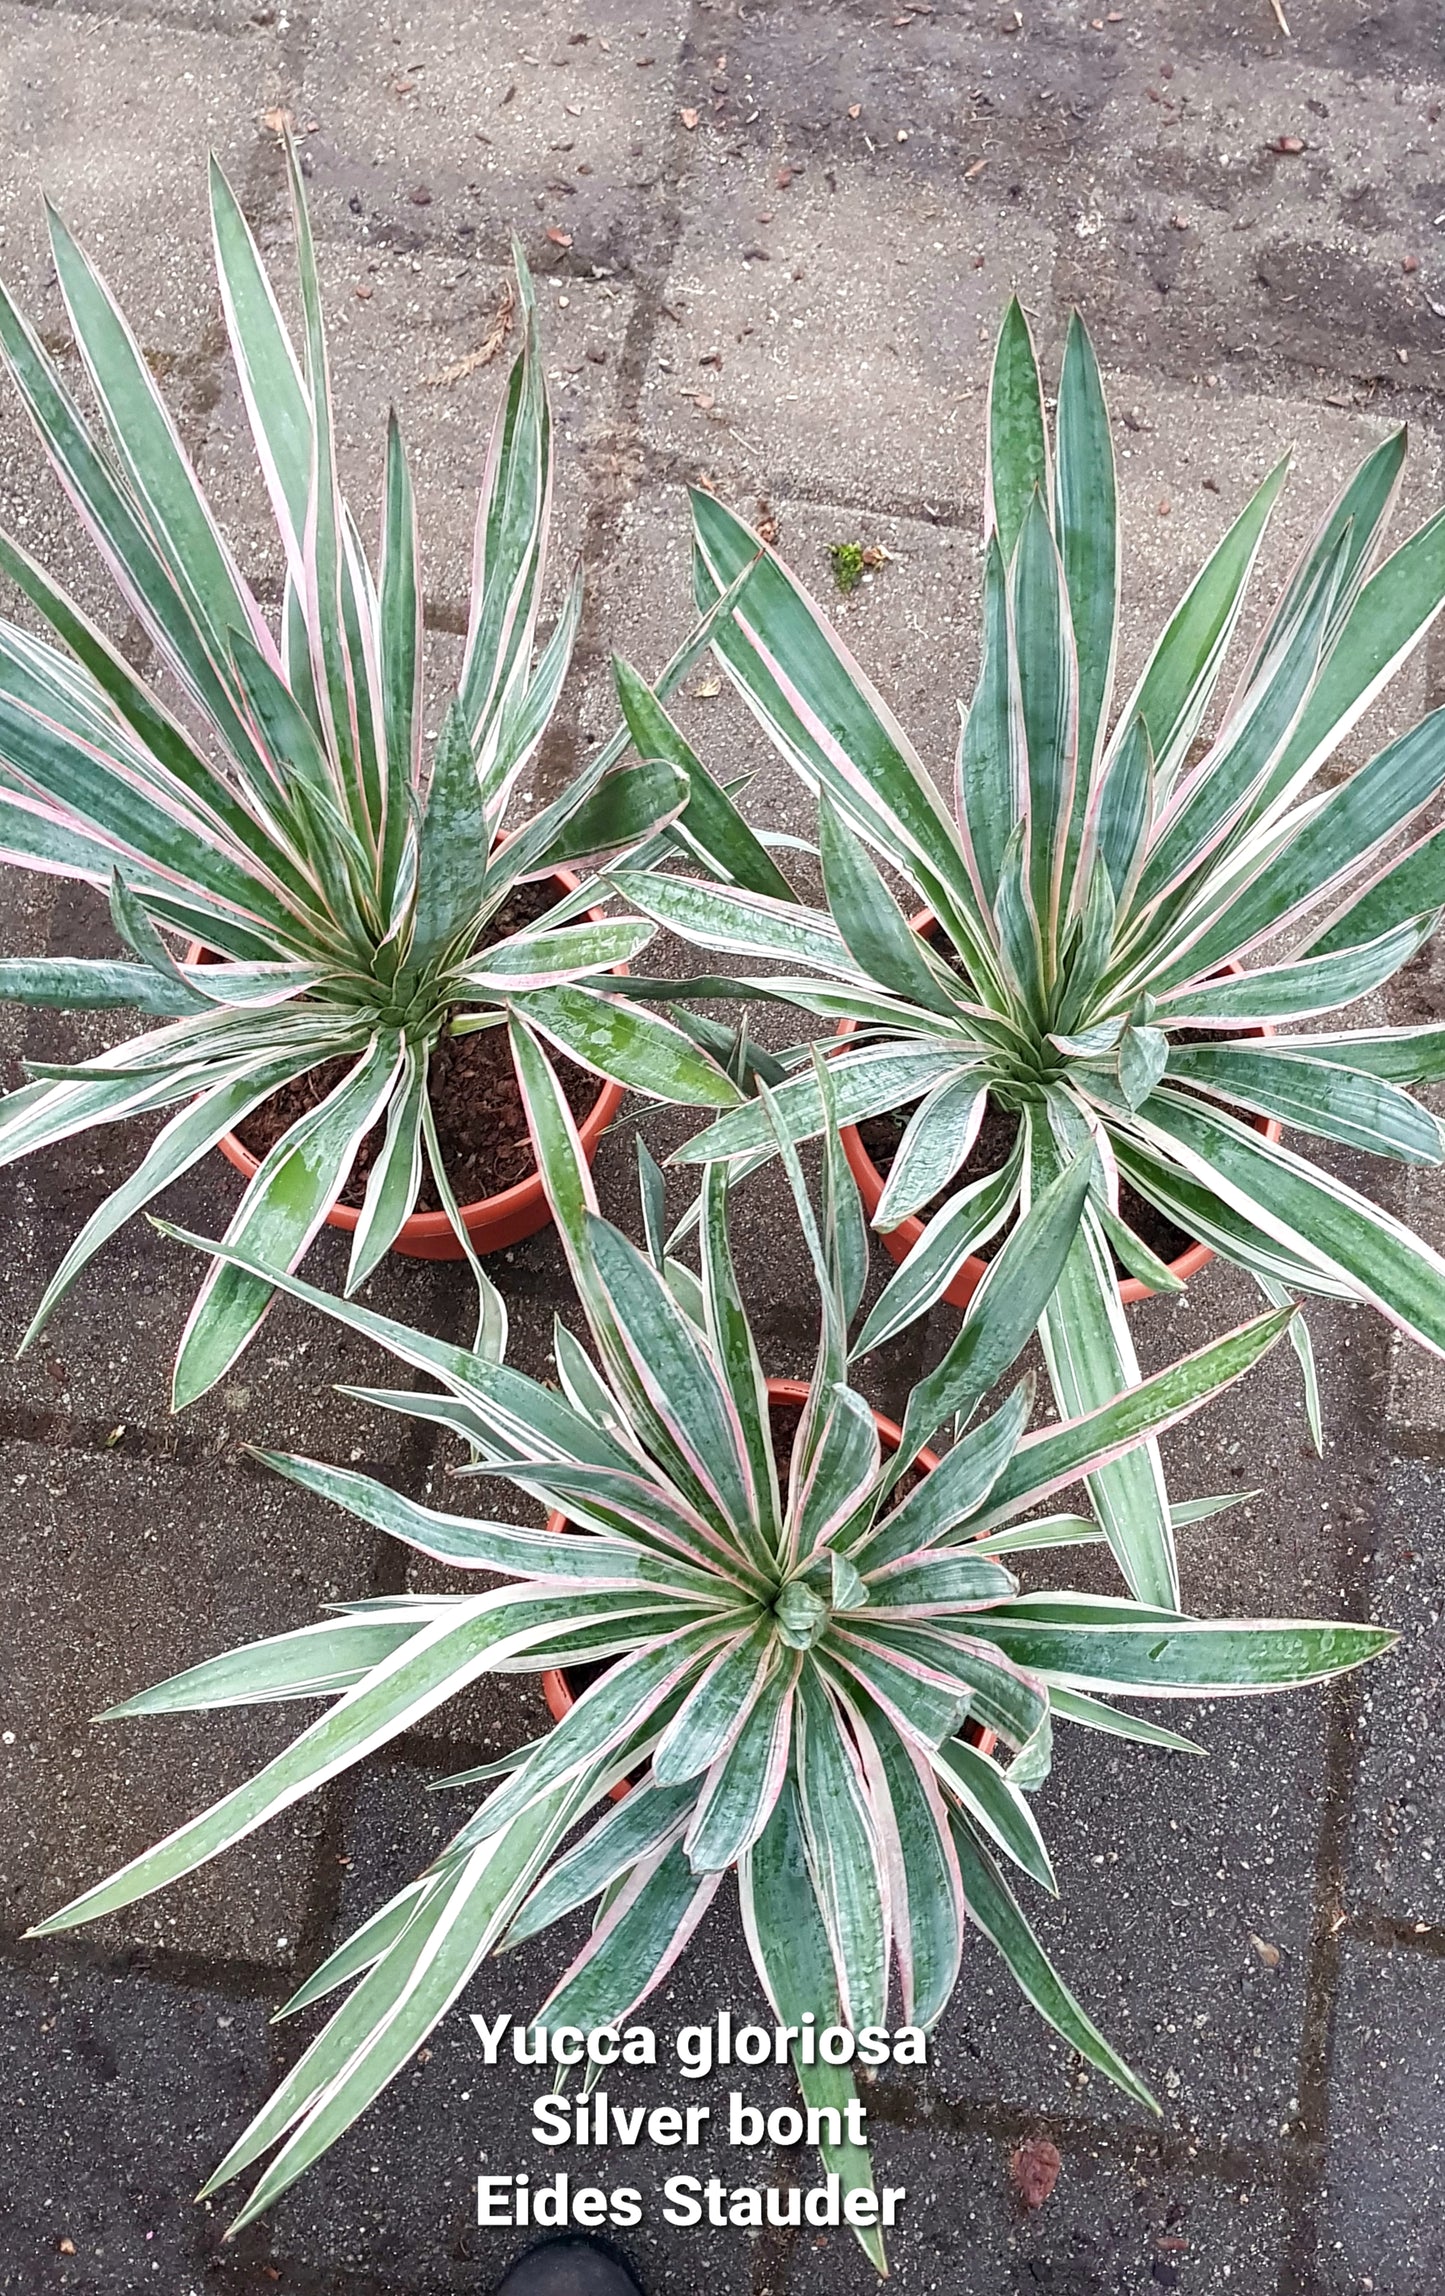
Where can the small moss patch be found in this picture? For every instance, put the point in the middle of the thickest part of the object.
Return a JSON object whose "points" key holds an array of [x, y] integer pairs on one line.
{"points": [[848, 565]]}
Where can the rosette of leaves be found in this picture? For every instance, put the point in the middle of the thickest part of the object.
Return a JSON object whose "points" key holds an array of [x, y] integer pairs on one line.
{"points": [[826, 1679], [283, 813], [1119, 902]]}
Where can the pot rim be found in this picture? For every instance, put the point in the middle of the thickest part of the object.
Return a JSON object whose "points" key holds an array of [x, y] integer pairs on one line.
{"points": [[1191, 1262]]}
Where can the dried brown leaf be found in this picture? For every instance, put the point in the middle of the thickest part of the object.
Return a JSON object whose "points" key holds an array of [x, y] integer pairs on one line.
{"points": [[1034, 2167], [488, 348]]}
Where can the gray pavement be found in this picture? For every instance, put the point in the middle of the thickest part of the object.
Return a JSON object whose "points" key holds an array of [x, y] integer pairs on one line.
{"points": [[772, 242]]}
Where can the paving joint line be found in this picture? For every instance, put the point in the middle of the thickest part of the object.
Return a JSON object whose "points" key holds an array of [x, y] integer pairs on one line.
{"points": [[1304, 2162], [70, 1953], [1258, 2161], [1393, 1935], [248, 2276], [53, 1429], [135, 12], [1427, 1443]]}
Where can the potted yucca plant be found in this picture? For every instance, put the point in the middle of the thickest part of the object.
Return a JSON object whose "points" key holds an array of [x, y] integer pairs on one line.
{"points": [[330, 928], [1129, 931], [822, 1673]]}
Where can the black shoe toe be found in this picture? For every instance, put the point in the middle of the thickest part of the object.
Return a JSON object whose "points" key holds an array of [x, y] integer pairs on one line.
{"points": [[568, 2268]]}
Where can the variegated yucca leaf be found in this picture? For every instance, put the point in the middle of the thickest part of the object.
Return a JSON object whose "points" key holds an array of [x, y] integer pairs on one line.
{"points": [[351, 890], [820, 1670], [1112, 891]]}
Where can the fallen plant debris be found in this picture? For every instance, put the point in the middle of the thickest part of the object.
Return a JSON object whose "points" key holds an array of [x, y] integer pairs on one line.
{"points": [[1265, 1952], [1034, 2167], [487, 349]]}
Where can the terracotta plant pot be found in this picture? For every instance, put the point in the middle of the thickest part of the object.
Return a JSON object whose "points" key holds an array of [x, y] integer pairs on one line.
{"points": [[556, 1687], [898, 1242], [496, 1221]]}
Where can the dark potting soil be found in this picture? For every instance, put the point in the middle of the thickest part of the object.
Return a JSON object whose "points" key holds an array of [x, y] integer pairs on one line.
{"points": [[881, 1136], [474, 1093]]}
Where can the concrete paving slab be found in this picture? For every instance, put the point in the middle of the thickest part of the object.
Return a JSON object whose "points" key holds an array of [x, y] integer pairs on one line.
{"points": [[104, 1361], [1128, 2226], [122, 2093], [1240, 209], [1294, 1547], [1145, 147], [125, 1571], [552, 118], [1380, 2224], [137, 199], [1397, 1864], [860, 290], [1167, 1869]]}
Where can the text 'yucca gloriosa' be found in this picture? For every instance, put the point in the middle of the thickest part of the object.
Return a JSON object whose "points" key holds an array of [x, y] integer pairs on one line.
{"points": [[287, 819], [826, 1679], [1108, 889]]}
